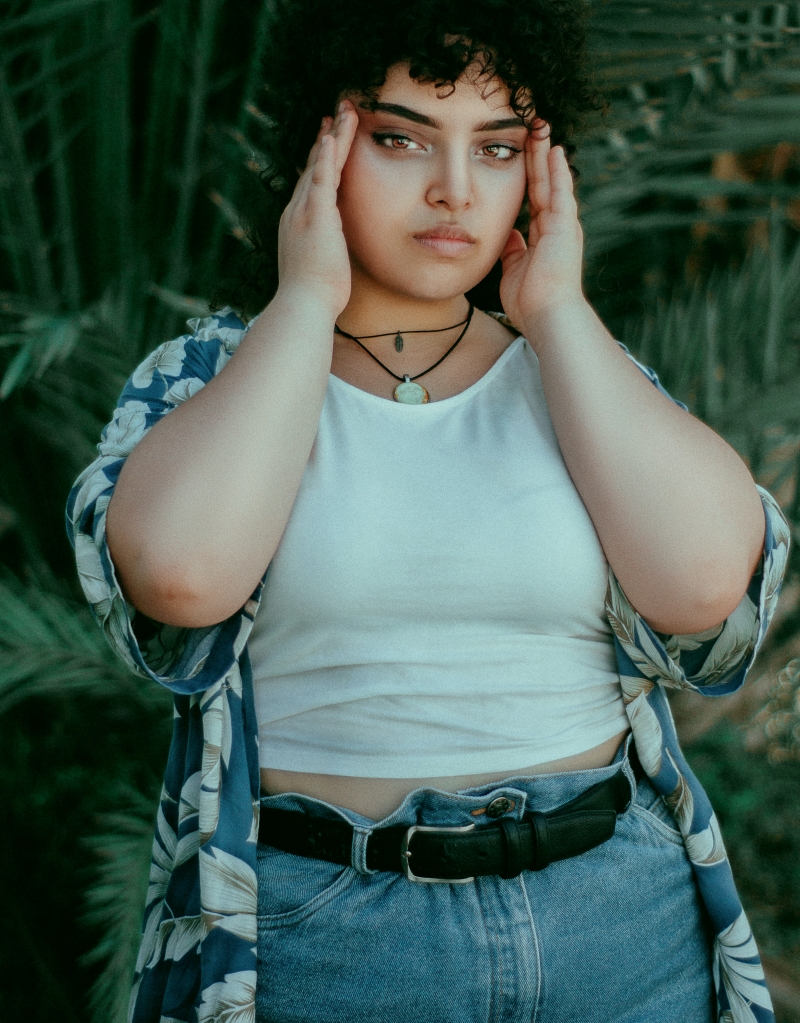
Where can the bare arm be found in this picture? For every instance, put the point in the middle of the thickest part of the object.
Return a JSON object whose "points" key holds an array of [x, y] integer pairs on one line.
{"points": [[676, 509], [203, 499]]}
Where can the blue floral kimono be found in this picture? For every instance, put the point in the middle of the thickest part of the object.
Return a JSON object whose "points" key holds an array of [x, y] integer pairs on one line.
{"points": [[197, 960]]}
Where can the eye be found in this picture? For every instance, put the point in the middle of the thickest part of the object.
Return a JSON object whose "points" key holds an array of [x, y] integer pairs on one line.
{"points": [[387, 140], [502, 151]]}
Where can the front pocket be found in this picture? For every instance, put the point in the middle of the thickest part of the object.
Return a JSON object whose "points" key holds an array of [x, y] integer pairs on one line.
{"points": [[648, 806], [292, 887]]}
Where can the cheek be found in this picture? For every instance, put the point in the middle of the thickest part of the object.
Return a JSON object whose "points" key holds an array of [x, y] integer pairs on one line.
{"points": [[502, 197], [369, 199]]}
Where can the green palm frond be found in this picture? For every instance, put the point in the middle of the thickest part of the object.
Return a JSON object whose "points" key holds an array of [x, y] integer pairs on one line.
{"points": [[63, 373], [40, 340], [726, 316], [731, 315], [51, 648], [21, 227], [636, 41], [686, 81], [114, 899]]}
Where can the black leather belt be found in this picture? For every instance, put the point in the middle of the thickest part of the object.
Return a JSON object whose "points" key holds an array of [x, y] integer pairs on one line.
{"points": [[459, 854]]}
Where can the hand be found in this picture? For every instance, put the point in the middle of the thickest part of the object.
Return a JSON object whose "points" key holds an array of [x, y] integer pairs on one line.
{"points": [[312, 252], [546, 272]]}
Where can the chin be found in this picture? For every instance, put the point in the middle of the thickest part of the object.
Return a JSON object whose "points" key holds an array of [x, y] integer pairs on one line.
{"points": [[430, 282]]}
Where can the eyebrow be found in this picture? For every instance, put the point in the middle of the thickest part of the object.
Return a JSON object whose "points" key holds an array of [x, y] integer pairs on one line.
{"points": [[430, 122]]}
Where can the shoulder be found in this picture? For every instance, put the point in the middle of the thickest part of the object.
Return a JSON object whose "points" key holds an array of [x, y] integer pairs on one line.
{"points": [[196, 356], [212, 341], [224, 325], [170, 375], [496, 331], [504, 321]]}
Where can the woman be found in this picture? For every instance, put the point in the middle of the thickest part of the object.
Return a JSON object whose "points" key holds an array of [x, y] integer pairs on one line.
{"points": [[445, 818]]}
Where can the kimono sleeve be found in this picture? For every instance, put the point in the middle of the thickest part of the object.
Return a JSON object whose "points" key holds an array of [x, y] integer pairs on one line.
{"points": [[185, 660], [714, 662]]}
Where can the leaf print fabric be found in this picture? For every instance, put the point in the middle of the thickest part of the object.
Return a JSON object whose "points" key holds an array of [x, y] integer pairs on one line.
{"points": [[197, 960], [739, 968], [230, 1001], [166, 361], [228, 890]]}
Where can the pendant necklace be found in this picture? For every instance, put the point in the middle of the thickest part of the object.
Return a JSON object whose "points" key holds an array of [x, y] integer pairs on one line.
{"points": [[407, 392]]}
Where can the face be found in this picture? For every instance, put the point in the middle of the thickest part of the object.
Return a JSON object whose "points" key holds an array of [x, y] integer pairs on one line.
{"points": [[432, 186]]}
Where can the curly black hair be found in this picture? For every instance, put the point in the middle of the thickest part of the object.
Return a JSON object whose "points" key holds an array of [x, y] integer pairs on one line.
{"points": [[318, 50]]}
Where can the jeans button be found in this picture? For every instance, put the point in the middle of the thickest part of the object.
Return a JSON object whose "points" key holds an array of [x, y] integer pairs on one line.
{"points": [[499, 806]]}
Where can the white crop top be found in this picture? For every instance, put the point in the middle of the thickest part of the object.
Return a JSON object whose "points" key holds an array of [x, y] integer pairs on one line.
{"points": [[436, 604]]}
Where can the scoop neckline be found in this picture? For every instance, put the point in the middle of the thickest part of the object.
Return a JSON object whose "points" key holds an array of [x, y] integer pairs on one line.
{"points": [[454, 399]]}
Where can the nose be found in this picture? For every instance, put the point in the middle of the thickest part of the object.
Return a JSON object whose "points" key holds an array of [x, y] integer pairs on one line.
{"points": [[452, 186]]}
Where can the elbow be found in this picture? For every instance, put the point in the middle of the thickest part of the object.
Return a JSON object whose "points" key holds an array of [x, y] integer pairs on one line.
{"points": [[180, 596], [721, 581], [183, 587], [710, 608], [177, 602], [704, 603]]}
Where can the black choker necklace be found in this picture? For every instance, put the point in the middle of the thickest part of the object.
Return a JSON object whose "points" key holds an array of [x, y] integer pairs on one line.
{"points": [[407, 391]]}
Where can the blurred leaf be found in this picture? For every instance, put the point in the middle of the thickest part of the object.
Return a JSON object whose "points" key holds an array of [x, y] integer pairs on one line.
{"points": [[186, 305], [116, 897], [51, 647], [775, 728], [41, 340], [47, 14]]}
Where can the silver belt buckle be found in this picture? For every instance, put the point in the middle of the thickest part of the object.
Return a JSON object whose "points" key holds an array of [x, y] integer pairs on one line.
{"points": [[405, 855]]}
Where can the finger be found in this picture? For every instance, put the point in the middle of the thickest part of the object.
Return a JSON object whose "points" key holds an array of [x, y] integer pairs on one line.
{"points": [[302, 190], [540, 128], [324, 171], [325, 126], [536, 152], [562, 195], [344, 131], [313, 156]]}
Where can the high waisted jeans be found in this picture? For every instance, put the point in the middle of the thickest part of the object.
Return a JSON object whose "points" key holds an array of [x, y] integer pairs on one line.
{"points": [[615, 935]]}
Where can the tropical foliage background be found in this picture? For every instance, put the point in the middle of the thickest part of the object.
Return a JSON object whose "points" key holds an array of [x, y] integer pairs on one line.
{"points": [[127, 132]]}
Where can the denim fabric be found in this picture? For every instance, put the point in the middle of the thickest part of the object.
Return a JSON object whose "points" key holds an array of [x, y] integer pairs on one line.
{"points": [[615, 935]]}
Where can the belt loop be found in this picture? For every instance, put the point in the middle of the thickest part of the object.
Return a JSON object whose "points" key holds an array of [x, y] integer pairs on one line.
{"points": [[513, 846], [358, 856], [541, 853]]}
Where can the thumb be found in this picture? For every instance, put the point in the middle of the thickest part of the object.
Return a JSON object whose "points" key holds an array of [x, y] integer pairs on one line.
{"points": [[513, 251]]}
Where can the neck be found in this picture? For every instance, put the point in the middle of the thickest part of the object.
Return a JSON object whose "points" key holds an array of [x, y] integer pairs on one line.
{"points": [[375, 310]]}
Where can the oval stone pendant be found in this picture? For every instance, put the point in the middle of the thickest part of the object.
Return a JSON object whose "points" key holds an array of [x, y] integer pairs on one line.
{"points": [[410, 393]]}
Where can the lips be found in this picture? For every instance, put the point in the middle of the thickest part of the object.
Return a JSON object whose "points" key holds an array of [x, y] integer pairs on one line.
{"points": [[446, 239]]}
